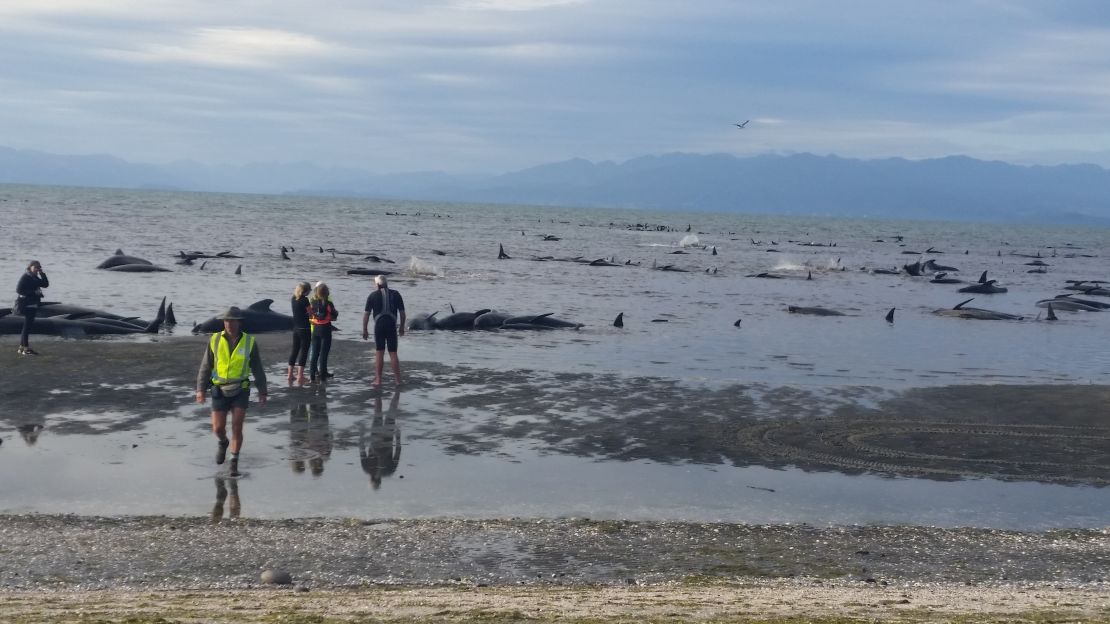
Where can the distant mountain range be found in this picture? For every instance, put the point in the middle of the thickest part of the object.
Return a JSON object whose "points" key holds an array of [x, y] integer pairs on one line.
{"points": [[955, 187]]}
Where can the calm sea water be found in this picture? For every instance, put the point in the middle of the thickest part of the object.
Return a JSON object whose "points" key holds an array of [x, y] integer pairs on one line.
{"points": [[73, 230], [698, 346]]}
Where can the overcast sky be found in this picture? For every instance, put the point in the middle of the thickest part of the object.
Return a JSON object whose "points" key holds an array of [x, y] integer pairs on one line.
{"points": [[497, 85]]}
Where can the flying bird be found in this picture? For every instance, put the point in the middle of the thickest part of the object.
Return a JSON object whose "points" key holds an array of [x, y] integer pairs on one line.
{"points": [[741, 125]]}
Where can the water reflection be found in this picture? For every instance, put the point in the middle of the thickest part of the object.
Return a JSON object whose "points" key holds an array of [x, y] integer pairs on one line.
{"points": [[30, 433], [310, 436], [226, 488], [379, 446]]}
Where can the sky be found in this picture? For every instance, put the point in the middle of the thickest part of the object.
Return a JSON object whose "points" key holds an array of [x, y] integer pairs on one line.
{"points": [[488, 86]]}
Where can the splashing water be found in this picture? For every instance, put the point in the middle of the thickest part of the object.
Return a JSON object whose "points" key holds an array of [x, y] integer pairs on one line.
{"points": [[689, 240], [422, 268]]}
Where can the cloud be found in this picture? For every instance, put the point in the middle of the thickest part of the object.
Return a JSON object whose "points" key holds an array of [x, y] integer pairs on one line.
{"points": [[231, 47]]}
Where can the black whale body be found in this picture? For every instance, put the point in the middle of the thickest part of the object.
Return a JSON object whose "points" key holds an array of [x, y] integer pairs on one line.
{"points": [[257, 318]]}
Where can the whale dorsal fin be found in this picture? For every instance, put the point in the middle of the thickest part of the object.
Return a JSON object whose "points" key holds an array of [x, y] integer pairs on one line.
{"points": [[119, 252], [983, 278], [264, 304], [962, 303]]}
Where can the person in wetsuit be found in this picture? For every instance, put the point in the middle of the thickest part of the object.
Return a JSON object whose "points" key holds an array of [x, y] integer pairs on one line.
{"points": [[27, 303], [388, 309], [302, 333], [321, 313]]}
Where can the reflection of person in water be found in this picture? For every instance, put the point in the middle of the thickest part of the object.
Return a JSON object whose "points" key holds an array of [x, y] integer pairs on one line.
{"points": [[309, 436], [379, 447], [30, 433], [223, 488]]}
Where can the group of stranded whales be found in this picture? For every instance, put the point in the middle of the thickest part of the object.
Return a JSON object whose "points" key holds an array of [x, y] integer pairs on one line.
{"points": [[486, 319], [71, 321]]}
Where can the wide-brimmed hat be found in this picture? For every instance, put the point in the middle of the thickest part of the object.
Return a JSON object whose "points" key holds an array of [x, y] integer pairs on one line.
{"points": [[232, 314]]}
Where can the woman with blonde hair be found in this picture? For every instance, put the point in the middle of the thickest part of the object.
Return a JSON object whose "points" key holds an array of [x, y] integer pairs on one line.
{"points": [[302, 333], [321, 313]]}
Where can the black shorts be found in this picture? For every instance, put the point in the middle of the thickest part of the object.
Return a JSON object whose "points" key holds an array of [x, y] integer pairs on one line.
{"points": [[220, 403], [385, 334]]}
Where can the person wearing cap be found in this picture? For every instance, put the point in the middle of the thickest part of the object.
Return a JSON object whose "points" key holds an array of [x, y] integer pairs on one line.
{"points": [[231, 357], [302, 333], [27, 303], [321, 313], [388, 309]]}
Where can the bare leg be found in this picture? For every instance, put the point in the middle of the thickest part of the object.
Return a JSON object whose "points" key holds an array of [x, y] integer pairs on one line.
{"points": [[289, 374], [396, 364], [301, 380], [219, 424], [379, 364], [238, 415]]}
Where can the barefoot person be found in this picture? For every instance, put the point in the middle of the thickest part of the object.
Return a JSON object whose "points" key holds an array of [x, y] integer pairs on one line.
{"points": [[302, 333], [388, 309], [231, 357], [321, 313], [29, 290]]}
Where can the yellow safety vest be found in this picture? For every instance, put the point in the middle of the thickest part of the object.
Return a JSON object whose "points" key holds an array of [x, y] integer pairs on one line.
{"points": [[231, 366]]}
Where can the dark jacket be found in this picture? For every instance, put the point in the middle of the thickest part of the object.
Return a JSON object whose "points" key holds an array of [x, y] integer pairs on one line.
{"points": [[30, 288], [300, 312]]}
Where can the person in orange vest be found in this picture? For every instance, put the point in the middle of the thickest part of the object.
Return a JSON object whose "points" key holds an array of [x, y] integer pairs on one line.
{"points": [[321, 313], [231, 357]]}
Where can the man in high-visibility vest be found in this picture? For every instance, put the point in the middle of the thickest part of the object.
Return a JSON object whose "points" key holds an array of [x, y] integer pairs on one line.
{"points": [[232, 355]]}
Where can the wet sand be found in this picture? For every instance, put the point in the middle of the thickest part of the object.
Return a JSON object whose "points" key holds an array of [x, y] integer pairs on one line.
{"points": [[58, 568], [1036, 433]]}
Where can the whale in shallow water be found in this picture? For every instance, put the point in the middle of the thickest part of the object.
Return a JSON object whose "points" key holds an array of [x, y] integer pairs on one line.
{"points": [[459, 320], [986, 288], [138, 268], [959, 311], [813, 311], [119, 258], [82, 324], [257, 318], [423, 321]]}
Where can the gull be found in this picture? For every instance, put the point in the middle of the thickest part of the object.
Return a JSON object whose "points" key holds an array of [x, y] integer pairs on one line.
{"points": [[741, 125]]}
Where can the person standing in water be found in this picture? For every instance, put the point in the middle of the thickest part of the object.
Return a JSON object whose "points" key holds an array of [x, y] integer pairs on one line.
{"points": [[302, 333], [231, 357], [29, 290], [388, 309], [321, 313]]}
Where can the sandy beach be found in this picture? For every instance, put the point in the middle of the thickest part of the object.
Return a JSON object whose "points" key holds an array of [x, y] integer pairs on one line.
{"points": [[76, 569]]}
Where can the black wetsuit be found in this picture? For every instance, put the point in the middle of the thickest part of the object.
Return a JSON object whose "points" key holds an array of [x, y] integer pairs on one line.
{"points": [[29, 290], [302, 332], [385, 320], [322, 314]]}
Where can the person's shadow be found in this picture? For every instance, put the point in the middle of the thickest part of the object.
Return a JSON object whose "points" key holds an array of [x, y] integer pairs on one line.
{"points": [[310, 437], [379, 446], [226, 488]]}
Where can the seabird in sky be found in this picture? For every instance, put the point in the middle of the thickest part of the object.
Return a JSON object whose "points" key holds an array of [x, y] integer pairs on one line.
{"points": [[741, 125]]}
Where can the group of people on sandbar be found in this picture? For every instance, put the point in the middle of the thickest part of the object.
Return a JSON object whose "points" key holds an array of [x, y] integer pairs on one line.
{"points": [[232, 355]]}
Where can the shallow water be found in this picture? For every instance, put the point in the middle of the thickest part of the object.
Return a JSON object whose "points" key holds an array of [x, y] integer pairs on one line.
{"points": [[479, 449]]}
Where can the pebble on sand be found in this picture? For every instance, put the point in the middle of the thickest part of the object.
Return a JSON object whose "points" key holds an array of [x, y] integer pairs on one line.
{"points": [[277, 577]]}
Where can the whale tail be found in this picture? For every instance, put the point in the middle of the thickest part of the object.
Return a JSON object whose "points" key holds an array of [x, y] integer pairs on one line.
{"points": [[501, 255]]}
